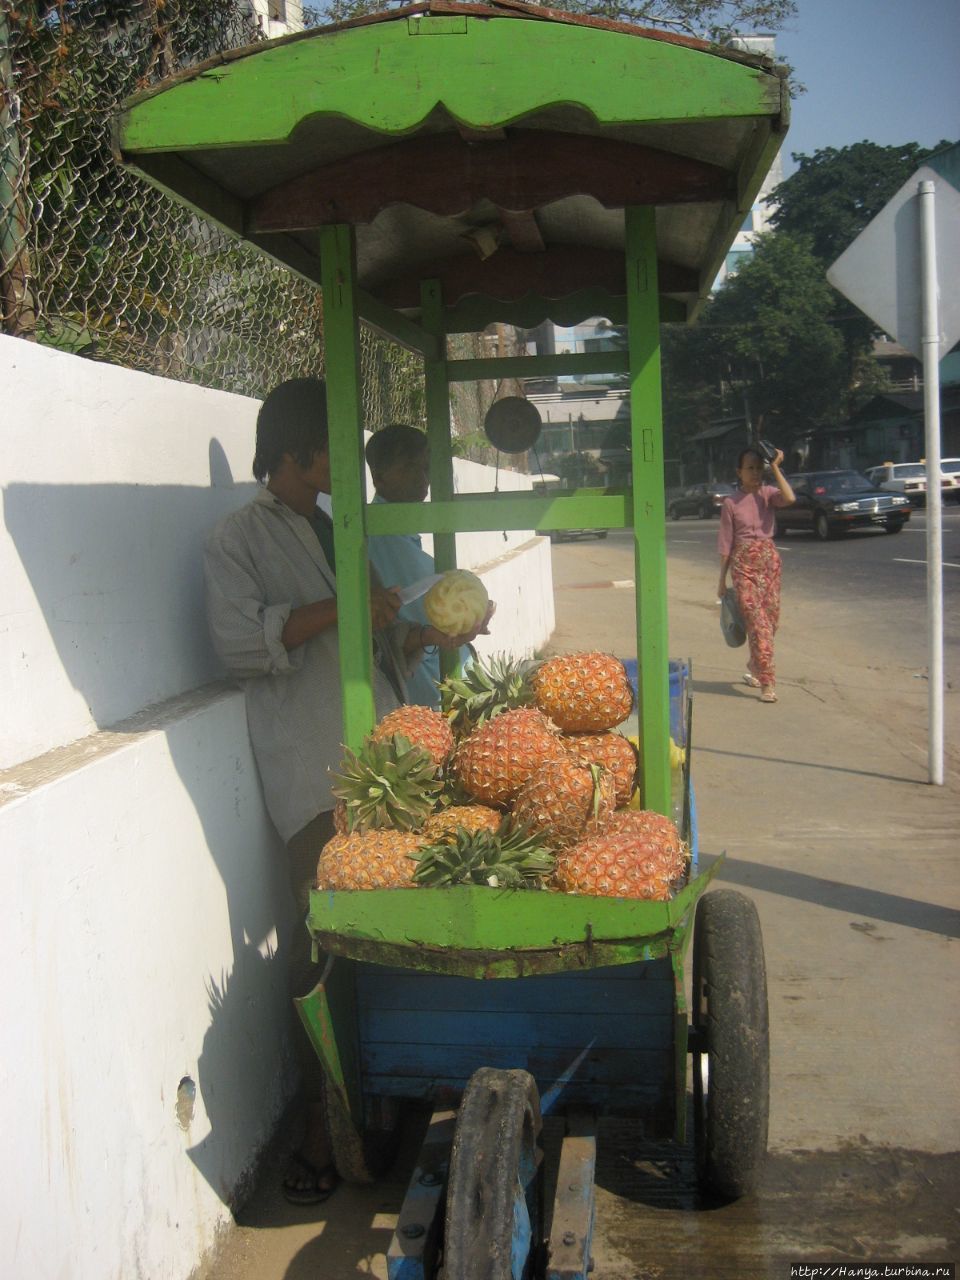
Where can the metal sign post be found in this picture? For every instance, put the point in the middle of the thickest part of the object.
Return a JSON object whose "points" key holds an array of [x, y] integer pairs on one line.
{"points": [[930, 343], [891, 273]]}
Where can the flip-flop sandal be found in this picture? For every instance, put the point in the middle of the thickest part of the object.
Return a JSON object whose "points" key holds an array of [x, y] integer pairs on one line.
{"points": [[768, 695], [314, 1192], [752, 681]]}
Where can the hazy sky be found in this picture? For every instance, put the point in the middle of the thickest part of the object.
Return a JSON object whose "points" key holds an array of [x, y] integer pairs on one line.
{"points": [[886, 71]]}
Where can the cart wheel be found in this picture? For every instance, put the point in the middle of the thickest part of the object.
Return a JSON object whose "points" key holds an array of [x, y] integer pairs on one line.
{"points": [[731, 1050], [363, 1159], [493, 1220]]}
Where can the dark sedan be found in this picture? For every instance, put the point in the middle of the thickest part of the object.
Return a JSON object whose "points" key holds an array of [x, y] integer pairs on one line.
{"points": [[703, 500], [831, 502]]}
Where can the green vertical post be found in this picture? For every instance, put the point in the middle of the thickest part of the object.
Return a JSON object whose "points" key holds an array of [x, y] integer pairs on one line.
{"points": [[342, 361], [437, 395], [649, 527]]}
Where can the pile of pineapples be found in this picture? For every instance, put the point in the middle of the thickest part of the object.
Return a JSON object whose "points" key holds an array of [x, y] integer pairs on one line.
{"points": [[519, 781]]}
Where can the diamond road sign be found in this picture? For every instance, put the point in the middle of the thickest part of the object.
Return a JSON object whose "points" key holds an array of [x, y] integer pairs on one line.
{"points": [[880, 271]]}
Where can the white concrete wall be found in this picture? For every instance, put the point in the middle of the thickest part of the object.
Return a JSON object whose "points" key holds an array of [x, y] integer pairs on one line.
{"points": [[142, 887], [144, 883]]}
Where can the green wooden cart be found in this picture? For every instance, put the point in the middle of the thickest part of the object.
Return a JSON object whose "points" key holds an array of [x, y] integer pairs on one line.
{"points": [[434, 170]]}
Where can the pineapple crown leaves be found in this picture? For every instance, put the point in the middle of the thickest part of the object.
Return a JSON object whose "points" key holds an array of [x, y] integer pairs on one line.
{"points": [[389, 783], [486, 688], [512, 857]]}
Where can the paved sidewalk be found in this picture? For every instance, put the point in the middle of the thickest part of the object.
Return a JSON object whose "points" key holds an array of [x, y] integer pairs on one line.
{"points": [[822, 806]]}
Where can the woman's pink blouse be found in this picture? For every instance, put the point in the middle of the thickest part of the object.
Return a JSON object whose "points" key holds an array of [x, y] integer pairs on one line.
{"points": [[747, 515]]}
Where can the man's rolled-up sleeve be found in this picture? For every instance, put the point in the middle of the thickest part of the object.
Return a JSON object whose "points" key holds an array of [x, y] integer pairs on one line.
{"points": [[246, 632]]}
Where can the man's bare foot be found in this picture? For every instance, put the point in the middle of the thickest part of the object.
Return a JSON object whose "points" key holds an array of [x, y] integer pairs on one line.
{"points": [[311, 1176]]}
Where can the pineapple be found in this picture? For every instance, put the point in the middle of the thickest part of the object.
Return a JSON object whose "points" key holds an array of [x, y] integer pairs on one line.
{"points": [[369, 860], [511, 858], [484, 690], [422, 727], [616, 753], [647, 824], [471, 817], [583, 692], [497, 759], [568, 798], [457, 603], [387, 784], [638, 855]]}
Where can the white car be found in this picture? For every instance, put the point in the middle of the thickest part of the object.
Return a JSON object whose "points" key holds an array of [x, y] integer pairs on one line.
{"points": [[910, 479]]}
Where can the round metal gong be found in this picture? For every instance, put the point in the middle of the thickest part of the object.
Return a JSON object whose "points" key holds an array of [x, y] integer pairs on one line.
{"points": [[512, 424]]}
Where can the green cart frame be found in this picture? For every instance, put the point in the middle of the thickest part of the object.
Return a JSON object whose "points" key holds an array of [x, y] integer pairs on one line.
{"points": [[612, 166]]}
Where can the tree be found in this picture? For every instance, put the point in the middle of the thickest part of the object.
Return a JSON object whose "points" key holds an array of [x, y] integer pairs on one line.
{"points": [[835, 193], [707, 19], [765, 347]]}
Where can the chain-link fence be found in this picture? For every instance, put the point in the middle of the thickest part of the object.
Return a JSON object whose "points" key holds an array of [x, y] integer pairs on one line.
{"points": [[95, 261]]}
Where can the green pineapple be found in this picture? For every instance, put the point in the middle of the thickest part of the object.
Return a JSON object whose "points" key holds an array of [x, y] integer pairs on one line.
{"points": [[484, 690], [387, 784], [510, 858]]}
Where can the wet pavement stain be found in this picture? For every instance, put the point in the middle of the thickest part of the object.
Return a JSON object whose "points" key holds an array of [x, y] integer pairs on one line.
{"points": [[860, 1204]]}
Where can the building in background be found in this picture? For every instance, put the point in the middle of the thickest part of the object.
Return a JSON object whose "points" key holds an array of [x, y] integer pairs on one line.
{"points": [[758, 219]]}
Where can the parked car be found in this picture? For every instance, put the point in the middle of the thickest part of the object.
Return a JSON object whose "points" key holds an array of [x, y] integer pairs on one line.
{"points": [[565, 535], [910, 478], [703, 500], [831, 502], [951, 468]]}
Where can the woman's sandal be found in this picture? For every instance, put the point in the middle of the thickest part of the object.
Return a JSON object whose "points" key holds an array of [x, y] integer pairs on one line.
{"points": [[307, 1184], [769, 694], [751, 680]]}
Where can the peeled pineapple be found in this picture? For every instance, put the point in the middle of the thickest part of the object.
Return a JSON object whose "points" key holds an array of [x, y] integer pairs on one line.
{"points": [[457, 603]]}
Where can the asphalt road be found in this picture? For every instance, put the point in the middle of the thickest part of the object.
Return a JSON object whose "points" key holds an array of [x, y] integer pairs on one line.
{"points": [[822, 806], [865, 569]]}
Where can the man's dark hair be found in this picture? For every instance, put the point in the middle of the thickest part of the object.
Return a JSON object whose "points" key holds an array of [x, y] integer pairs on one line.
{"points": [[393, 444], [292, 419]]}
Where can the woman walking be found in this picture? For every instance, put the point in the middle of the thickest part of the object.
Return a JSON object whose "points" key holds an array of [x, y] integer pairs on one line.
{"points": [[746, 550]]}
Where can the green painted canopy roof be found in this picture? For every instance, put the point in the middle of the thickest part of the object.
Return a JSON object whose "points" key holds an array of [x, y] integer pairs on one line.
{"points": [[490, 146]]}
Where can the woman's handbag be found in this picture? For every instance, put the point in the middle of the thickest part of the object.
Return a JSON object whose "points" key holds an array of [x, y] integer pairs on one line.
{"points": [[731, 619]]}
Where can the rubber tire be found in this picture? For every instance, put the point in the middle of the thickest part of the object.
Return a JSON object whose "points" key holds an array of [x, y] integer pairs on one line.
{"points": [[894, 526], [821, 527], [602, 534], [779, 530], [674, 513], [730, 1018], [362, 1160], [706, 512], [496, 1140]]}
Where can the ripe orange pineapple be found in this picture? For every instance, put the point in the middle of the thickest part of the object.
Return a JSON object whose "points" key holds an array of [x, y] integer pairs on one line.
{"points": [[494, 762], [567, 798], [422, 727], [648, 825], [638, 855], [583, 691], [377, 859], [471, 817], [616, 753]]}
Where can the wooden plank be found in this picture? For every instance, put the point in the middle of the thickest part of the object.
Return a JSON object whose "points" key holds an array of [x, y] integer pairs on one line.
{"points": [[414, 991], [470, 512], [413, 1249], [585, 362], [614, 1030], [345, 411], [474, 314], [646, 460], [571, 1235], [605, 1066], [510, 276], [384, 80], [444, 175], [396, 326]]}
